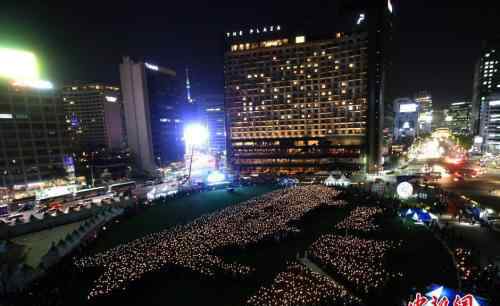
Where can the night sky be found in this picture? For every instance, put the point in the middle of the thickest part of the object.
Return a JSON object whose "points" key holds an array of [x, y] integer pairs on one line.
{"points": [[436, 42]]}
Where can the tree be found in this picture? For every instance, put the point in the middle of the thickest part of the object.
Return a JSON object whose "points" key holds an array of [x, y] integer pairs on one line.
{"points": [[464, 140]]}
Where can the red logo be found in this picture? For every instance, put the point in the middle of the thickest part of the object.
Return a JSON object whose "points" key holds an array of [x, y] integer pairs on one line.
{"points": [[420, 300]]}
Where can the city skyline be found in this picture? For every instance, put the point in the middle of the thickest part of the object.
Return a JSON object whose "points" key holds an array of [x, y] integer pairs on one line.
{"points": [[438, 55], [256, 154]]}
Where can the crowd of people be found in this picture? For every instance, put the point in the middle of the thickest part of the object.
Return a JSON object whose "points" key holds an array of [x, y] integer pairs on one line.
{"points": [[299, 286], [361, 262], [192, 246], [361, 219]]}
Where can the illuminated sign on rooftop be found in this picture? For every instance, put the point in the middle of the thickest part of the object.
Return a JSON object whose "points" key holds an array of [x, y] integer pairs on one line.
{"points": [[408, 108], [21, 68], [259, 30], [37, 84], [18, 64], [152, 67], [361, 18]]}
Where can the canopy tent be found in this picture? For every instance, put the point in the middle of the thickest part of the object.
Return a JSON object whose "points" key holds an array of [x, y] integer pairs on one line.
{"points": [[342, 181], [417, 215]]}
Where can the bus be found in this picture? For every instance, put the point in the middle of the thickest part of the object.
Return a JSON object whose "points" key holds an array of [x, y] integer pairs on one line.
{"points": [[89, 193], [60, 199], [4, 210], [123, 187]]}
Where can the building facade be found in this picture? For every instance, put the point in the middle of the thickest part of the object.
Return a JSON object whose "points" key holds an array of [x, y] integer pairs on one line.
{"points": [[439, 117], [486, 83], [406, 124], [298, 104], [458, 118], [424, 101], [94, 116], [489, 128], [152, 101], [213, 109], [32, 142]]}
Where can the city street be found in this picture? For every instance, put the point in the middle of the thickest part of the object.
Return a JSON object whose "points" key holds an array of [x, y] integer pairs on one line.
{"points": [[484, 189]]}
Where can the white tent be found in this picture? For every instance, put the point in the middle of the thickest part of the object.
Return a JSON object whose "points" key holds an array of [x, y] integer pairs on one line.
{"points": [[342, 181]]}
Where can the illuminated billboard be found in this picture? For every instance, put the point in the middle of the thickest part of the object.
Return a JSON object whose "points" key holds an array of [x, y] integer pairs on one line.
{"points": [[18, 65], [21, 68], [408, 108]]}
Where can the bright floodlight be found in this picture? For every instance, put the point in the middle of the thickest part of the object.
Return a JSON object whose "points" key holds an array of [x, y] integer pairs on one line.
{"points": [[216, 177], [195, 135], [18, 65]]}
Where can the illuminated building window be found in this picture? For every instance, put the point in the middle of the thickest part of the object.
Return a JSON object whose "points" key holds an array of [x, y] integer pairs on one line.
{"points": [[300, 39]]}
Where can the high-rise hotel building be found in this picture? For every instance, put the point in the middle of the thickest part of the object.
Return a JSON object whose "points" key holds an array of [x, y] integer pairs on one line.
{"points": [[32, 143], [299, 103], [486, 96]]}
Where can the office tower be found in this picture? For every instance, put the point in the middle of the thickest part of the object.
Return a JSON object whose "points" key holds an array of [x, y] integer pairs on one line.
{"points": [[300, 103], [439, 117], [406, 126], [458, 118], [32, 144], [213, 108], [152, 101], [94, 116], [486, 83], [489, 128], [424, 100]]}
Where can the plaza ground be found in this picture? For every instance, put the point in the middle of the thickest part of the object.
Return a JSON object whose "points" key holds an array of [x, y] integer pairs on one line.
{"points": [[153, 219], [423, 259], [37, 244]]}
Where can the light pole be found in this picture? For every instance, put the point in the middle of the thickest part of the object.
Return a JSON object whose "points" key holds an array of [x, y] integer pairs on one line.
{"points": [[92, 179], [4, 179]]}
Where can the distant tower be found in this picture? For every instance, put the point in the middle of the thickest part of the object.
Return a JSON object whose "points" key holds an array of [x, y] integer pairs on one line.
{"points": [[188, 87]]}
